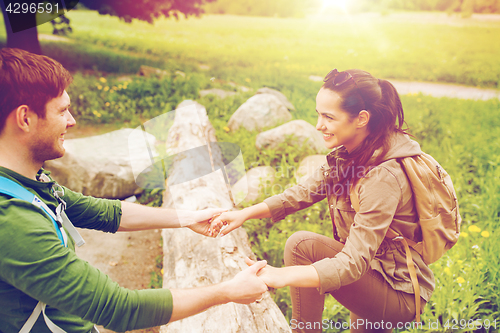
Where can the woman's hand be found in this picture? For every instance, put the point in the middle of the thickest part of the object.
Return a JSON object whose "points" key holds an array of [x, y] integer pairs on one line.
{"points": [[227, 222], [246, 287], [270, 275]]}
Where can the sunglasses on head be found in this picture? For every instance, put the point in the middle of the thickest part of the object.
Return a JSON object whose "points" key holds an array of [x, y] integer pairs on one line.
{"points": [[339, 78]]}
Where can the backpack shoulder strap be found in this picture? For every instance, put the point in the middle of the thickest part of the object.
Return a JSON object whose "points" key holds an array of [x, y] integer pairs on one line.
{"points": [[13, 189], [395, 236]]}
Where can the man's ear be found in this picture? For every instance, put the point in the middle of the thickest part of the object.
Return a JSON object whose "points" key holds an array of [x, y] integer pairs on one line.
{"points": [[363, 118], [24, 117]]}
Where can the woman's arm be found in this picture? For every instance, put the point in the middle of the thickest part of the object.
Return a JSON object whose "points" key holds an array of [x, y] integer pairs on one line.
{"points": [[293, 199], [235, 219]]}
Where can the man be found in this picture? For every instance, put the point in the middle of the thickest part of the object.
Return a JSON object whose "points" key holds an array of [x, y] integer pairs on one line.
{"points": [[38, 266]]}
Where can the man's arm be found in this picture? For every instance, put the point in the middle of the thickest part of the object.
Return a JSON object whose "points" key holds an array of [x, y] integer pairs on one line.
{"points": [[244, 288], [304, 276], [138, 217]]}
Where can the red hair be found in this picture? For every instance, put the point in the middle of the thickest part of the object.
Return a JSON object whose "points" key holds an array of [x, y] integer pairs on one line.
{"points": [[29, 79]]}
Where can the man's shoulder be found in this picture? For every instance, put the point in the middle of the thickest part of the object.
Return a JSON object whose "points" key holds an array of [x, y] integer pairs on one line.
{"points": [[11, 190], [10, 207], [16, 199]]}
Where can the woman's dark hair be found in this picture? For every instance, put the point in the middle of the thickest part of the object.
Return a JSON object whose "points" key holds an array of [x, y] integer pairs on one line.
{"points": [[29, 79], [359, 90]]}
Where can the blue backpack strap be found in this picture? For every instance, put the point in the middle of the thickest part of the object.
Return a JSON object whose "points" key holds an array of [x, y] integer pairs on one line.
{"points": [[13, 189]]}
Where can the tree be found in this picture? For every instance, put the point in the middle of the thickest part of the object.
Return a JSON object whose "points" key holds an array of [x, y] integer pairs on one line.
{"points": [[26, 39], [22, 27]]}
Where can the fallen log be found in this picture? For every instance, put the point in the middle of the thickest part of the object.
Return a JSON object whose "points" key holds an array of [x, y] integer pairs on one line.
{"points": [[192, 260]]}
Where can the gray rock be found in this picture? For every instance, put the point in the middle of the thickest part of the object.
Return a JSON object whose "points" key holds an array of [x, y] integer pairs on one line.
{"points": [[148, 71], [308, 166], [295, 133], [254, 180], [278, 94], [192, 260], [189, 184], [258, 112], [217, 92], [180, 73], [239, 87], [100, 165], [124, 78]]}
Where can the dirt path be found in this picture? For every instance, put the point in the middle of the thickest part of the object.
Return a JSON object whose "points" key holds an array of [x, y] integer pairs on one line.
{"points": [[127, 258], [445, 90], [437, 89]]}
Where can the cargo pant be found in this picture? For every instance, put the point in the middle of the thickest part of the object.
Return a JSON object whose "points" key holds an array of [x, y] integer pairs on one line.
{"points": [[375, 306]]}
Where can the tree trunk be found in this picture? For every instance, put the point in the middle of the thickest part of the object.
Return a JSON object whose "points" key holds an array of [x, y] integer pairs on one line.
{"points": [[26, 39], [192, 260]]}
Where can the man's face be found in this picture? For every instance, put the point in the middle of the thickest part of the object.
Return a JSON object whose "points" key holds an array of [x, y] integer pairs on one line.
{"points": [[48, 139]]}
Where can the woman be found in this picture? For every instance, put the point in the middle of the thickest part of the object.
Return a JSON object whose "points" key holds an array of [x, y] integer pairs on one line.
{"points": [[362, 120]]}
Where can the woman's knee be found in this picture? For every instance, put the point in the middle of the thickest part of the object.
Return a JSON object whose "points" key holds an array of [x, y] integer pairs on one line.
{"points": [[292, 244]]}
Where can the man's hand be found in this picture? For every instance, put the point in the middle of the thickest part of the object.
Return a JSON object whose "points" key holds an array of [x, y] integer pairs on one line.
{"points": [[139, 217], [304, 276], [270, 275], [203, 219], [246, 287]]}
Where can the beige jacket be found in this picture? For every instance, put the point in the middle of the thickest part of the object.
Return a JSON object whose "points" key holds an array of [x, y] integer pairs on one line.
{"points": [[385, 200]]}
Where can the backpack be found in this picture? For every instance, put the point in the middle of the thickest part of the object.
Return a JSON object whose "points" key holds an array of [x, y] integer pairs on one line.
{"points": [[436, 205]]}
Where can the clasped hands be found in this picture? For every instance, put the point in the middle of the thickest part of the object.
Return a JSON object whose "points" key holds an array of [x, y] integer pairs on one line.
{"points": [[218, 223], [215, 222]]}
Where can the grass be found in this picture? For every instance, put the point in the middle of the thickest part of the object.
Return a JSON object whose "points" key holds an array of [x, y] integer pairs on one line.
{"points": [[156, 276], [464, 136], [272, 49]]}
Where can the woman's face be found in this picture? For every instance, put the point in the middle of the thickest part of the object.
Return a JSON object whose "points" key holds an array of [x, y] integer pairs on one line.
{"points": [[337, 127]]}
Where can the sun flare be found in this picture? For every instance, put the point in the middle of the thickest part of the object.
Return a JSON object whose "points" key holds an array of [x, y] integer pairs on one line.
{"points": [[342, 4]]}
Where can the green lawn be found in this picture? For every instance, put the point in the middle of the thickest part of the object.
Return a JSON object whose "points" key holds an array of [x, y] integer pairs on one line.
{"points": [[402, 46]]}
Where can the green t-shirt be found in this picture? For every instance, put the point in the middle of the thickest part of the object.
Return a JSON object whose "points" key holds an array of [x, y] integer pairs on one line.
{"points": [[35, 266]]}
